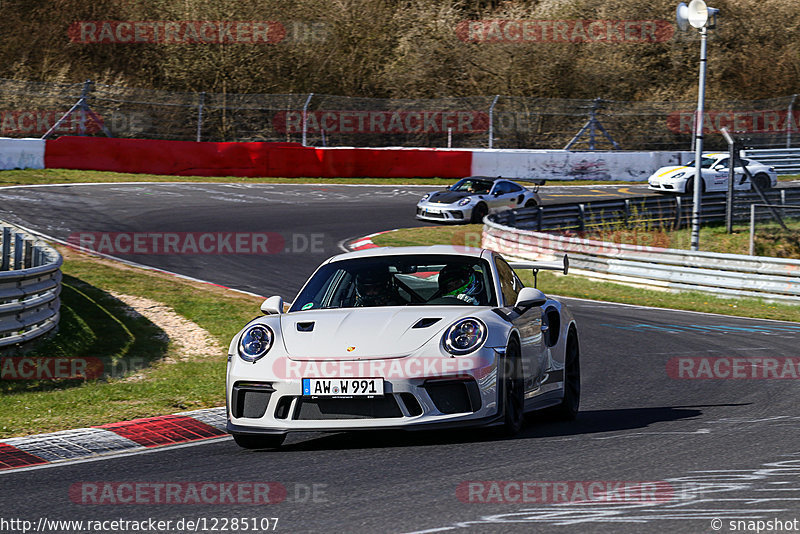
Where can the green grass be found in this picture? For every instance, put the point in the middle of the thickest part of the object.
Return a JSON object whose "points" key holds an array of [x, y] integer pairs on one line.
{"points": [[94, 325], [581, 287], [69, 176]]}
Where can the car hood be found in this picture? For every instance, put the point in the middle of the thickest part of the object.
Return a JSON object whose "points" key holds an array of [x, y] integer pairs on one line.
{"points": [[364, 333], [665, 172], [448, 197]]}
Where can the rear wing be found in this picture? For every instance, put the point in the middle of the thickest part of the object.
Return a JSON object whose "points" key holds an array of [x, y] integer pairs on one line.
{"points": [[537, 266]]}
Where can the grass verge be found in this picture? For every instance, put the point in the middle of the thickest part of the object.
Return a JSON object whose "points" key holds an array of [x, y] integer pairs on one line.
{"points": [[580, 287], [70, 176], [96, 325]]}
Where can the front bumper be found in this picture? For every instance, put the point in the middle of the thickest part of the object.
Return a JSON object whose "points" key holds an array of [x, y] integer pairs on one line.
{"points": [[462, 393], [443, 213]]}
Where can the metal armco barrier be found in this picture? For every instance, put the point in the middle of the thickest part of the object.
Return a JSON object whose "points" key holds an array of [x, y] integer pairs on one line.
{"points": [[669, 210], [785, 160], [517, 235], [30, 285]]}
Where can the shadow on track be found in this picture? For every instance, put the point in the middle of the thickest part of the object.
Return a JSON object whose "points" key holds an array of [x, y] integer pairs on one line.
{"points": [[538, 426]]}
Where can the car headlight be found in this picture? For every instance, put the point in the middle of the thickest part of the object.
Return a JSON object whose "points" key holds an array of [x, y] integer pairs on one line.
{"points": [[425, 197], [677, 175], [464, 201], [465, 336], [255, 342]]}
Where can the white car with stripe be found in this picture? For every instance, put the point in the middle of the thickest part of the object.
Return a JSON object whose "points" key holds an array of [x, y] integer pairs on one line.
{"points": [[715, 171]]}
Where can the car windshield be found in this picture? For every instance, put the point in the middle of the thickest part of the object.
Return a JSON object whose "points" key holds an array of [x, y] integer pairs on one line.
{"points": [[405, 280], [705, 162], [472, 185]]}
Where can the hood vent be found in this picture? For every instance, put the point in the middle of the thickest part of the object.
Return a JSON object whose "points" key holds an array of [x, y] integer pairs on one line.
{"points": [[425, 323], [305, 327]]}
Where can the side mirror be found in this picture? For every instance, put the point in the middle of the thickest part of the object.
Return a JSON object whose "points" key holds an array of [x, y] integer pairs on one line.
{"points": [[529, 297], [496, 194], [272, 306]]}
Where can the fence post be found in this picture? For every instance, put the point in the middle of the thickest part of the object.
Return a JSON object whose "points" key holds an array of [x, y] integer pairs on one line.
{"points": [[491, 121], [17, 251], [789, 122], [582, 217], [752, 229], [200, 105], [539, 218], [305, 117], [678, 212], [5, 258]]}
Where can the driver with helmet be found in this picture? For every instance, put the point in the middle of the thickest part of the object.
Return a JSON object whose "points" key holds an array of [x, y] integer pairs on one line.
{"points": [[460, 281], [376, 288]]}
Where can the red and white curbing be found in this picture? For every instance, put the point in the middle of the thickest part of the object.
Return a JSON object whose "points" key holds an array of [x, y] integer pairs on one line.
{"points": [[363, 243], [112, 438]]}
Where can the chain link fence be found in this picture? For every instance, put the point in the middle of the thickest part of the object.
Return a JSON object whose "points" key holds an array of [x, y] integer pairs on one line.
{"points": [[30, 109]]}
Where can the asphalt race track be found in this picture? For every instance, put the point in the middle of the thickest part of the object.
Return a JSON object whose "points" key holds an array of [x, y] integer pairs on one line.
{"points": [[718, 450]]}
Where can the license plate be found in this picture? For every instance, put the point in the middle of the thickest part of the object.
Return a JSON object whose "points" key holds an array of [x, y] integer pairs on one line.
{"points": [[342, 387]]}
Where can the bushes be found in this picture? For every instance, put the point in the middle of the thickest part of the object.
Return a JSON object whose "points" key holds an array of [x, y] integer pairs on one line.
{"points": [[389, 48]]}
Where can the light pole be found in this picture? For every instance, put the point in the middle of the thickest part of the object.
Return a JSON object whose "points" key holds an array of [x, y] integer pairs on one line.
{"points": [[697, 14]]}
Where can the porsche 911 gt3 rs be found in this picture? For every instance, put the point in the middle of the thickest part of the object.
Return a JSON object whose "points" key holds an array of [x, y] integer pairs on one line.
{"points": [[404, 338], [471, 199]]}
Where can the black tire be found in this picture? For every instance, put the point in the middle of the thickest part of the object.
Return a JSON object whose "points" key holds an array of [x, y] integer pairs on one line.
{"points": [[530, 204], [513, 391], [478, 213], [259, 441], [690, 186], [568, 409], [763, 182]]}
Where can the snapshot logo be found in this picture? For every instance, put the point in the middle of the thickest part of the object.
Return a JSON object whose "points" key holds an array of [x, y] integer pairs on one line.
{"points": [[160, 243], [734, 368], [567, 491], [763, 121], [381, 122], [152, 493], [564, 31]]}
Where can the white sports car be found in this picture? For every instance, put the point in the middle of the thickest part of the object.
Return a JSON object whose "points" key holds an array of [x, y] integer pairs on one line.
{"points": [[471, 199], [714, 169], [404, 338]]}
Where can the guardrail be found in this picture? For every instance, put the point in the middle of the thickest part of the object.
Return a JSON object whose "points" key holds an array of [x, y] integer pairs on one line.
{"points": [[785, 160], [669, 210], [731, 275], [30, 285]]}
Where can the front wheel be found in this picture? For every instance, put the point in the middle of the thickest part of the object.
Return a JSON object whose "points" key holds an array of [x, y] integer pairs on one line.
{"points": [[479, 212], [690, 186], [513, 391], [259, 441]]}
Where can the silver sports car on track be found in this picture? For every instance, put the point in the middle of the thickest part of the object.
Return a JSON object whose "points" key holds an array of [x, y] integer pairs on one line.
{"points": [[404, 338], [471, 199]]}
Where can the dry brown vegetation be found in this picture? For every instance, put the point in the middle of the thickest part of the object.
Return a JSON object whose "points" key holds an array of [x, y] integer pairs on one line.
{"points": [[392, 48]]}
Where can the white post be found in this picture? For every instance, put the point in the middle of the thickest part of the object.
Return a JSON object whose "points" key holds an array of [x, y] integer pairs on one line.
{"points": [[698, 149]]}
